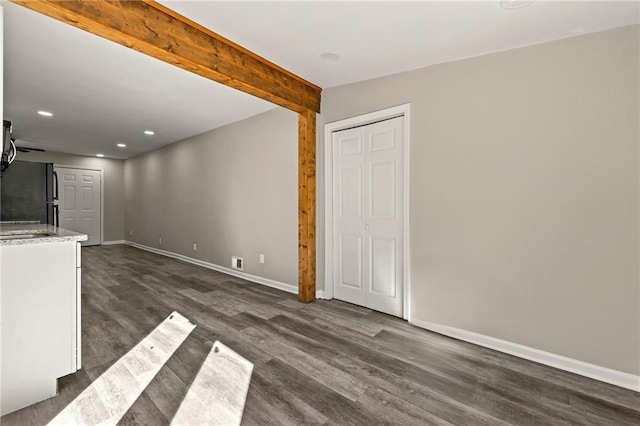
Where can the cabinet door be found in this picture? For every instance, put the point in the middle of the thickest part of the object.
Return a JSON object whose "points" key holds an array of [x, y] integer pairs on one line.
{"points": [[78, 311], [38, 320], [78, 322]]}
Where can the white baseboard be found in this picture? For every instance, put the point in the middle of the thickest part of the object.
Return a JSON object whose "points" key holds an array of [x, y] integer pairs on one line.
{"points": [[112, 243], [320, 294], [603, 374], [254, 278]]}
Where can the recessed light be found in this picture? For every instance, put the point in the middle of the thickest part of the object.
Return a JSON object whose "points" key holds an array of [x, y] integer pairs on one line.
{"points": [[100, 155], [330, 57], [122, 145], [149, 132], [514, 4], [45, 113]]}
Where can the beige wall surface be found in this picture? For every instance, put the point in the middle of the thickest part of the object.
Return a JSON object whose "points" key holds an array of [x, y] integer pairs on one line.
{"points": [[232, 190], [113, 185], [524, 193]]}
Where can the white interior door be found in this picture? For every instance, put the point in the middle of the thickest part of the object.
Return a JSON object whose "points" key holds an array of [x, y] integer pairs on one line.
{"points": [[368, 203], [80, 202]]}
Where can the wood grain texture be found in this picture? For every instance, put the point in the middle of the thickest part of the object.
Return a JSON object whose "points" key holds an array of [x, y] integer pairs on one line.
{"points": [[334, 364], [307, 206], [162, 33], [219, 391], [110, 396]]}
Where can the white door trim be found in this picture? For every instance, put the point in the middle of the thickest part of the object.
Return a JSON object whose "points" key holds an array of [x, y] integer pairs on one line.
{"points": [[362, 120], [101, 192]]}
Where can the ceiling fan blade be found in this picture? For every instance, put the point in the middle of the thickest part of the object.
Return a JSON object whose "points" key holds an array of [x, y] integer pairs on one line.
{"points": [[24, 149]]}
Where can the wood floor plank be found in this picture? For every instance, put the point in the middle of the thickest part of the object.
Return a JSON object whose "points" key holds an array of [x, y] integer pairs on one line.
{"points": [[272, 404], [166, 390], [112, 394], [325, 363], [456, 387], [331, 404], [143, 412], [551, 397], [345, 319], [485, 377], [563, 379], [336, 380], [392, 409], [438, 405], [219, 391]]}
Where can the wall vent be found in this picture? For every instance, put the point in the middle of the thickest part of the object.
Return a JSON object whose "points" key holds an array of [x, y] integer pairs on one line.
{"points": [[237, 263]]}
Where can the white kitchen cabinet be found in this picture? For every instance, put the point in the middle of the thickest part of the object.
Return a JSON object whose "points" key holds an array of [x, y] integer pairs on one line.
{"points": [[40, 301]]}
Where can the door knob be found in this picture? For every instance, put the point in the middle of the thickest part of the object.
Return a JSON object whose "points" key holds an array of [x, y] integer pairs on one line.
{"points": [[366, 226]]}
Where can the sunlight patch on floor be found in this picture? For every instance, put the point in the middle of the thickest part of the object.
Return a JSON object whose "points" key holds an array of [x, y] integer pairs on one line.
{"points": [[218, 394], [109, 397]]}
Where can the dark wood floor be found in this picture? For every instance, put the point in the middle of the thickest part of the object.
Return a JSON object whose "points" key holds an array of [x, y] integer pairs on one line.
{"points": [[323, 363]]}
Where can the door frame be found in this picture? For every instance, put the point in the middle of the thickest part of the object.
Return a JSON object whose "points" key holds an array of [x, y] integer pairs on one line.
{"points": [[362, 120], [95, 169]]}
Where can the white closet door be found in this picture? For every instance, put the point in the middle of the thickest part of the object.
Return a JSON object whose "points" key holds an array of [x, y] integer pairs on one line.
{"points": [[79, 202], [368, 172]]}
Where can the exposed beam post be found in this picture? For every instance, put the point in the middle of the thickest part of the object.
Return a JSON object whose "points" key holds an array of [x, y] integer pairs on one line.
{"points": [[307, 206]]}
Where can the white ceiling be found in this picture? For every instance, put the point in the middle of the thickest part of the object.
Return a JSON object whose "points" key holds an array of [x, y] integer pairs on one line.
{"points": [[102, 93], [382, 38]]}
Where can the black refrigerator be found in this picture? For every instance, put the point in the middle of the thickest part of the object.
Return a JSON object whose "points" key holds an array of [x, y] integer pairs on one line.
{"points": [[28, 192]]}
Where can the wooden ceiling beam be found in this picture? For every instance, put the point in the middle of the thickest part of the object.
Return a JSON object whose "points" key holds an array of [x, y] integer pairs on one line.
{"points": [[162, 33]]}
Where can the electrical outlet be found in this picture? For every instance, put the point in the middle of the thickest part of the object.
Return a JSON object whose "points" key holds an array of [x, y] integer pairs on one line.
{"points": [[160, 240], [261, 258], [130, 232], [237, 263], [195, 247]]}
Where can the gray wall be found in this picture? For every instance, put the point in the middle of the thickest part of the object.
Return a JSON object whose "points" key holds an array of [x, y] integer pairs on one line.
{"points": [[113, 185], [232, 190], [524, 193]]}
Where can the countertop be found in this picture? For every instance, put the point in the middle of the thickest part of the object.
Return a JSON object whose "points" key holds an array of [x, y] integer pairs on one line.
{"points": [[19, 222], [43, 234]]}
